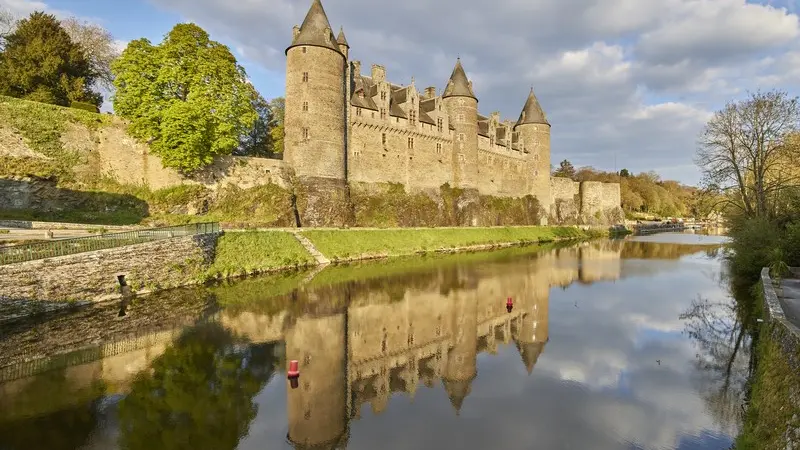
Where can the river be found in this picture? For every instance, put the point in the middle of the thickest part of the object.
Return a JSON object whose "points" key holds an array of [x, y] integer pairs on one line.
{"points": [[613, 344]]}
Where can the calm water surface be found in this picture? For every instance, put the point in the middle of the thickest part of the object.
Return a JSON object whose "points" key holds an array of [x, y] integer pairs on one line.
{"points": [[610, 345]]}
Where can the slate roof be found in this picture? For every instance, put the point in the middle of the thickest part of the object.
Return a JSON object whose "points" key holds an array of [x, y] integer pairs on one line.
{"points": [[532, 111], [316, 30], [458, 85], [341, 39]]}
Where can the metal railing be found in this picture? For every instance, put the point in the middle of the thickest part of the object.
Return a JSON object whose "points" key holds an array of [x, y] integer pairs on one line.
{"points": [[61, 247]]}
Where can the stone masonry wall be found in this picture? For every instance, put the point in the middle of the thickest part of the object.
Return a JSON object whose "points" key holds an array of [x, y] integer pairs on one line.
{"points": [[92, 276]]}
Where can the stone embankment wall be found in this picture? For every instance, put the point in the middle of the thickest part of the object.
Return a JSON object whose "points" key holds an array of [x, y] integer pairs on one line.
{"points": [[784, 332], [93, 275]]}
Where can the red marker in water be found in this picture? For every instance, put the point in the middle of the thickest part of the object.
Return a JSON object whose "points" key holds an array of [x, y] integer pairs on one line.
{"points": [[509, 304], [294, 371]]}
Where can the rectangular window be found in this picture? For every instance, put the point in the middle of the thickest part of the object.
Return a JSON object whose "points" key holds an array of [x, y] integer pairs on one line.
{"points": [[440, 124], [305, 106], [460, 117], [305, 133], [305, 77], [383, 139], [413, 117], [410, 143], [383, 113], [358, 111], [383, 95], [461, 137], [438, 148], [304, 49]]}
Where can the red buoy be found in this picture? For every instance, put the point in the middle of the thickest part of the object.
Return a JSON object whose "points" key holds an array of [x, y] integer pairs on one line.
{"points": [[294, 370], [509, 304]]}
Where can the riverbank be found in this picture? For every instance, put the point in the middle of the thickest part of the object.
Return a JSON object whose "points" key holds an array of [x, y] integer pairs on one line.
{"points": [[162, 265]]}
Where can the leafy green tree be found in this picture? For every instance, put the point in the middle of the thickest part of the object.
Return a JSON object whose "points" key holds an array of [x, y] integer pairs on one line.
{"points": [[41, 63], [187, 97], [624, 173], [565, 169], [198, 393], [278, 108], [258, 141]]}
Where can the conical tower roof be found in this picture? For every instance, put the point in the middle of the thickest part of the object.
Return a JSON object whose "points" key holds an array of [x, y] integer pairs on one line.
{"points": [[458, 85], [341, 39], [457, 391], [316, 30], [530, 354], [532, 111]]}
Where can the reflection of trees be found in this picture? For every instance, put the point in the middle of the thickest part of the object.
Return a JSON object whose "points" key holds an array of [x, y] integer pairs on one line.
{"points": [[198, 394], [55, 414], [722, 332]]}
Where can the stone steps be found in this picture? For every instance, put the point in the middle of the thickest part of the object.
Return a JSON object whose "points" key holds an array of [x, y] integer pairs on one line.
{"points": [[319, 257]]}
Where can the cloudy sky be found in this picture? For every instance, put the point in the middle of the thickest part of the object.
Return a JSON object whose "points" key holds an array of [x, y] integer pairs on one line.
{"points": [[625, 83]]}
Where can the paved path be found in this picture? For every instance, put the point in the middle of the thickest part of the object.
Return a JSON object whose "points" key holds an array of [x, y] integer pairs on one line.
{"points": [[19, 234], [789, 295]]}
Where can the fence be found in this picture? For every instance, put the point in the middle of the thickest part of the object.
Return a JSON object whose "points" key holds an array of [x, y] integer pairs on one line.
{"points": [[61, 247]]}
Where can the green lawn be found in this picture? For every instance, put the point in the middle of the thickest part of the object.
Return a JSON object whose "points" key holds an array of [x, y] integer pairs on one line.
{"points": [[343, 244], [244, 253]]}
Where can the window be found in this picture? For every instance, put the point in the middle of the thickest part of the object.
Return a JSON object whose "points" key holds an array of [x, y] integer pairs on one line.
{"points": [[438, 148], [305, 106], [460, 117], [461, 137], [411, 143], [304, 49], [383, 113], [358, 111], [383, 139], [412, 117], [383, 95], [305, 77], [305, 133], [440, 124], [373, 114]]}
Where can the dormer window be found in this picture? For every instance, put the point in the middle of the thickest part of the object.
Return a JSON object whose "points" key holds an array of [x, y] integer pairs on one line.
{"points": [[440, 124], [360, 94], [383, 95]]}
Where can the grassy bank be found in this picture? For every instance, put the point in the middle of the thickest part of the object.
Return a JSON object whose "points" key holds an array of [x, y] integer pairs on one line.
{"points": [[251, 252], [771, 410], [354, 244]]}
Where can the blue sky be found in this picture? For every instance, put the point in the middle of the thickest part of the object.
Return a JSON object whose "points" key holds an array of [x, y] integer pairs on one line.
{"points": [[632, 80]]}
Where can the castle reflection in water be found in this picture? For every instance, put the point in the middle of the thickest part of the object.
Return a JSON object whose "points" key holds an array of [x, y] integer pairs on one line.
{"points": [[361, 341]]}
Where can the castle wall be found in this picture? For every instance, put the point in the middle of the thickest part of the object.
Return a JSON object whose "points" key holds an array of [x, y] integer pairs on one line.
{"points": [[591, 193], [611, 197]]}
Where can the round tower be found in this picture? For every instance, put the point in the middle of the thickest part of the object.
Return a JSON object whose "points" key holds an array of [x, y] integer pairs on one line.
{"points": [[462, 358], [317, 408], [314, 121], [462, 108], [534, 131]]}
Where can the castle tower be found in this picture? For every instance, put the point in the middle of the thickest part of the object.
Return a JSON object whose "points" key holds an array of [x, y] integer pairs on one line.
{"points": [[534, 131], [462, 108], [317, 408], [314, 122], [462, 359]]}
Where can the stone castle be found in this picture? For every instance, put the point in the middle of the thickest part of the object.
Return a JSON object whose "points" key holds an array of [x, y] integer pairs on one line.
{"points": [[344, 126]]}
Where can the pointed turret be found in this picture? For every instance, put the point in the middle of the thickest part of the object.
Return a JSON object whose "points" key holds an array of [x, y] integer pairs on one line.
{"points": [[530, 354], [458, 85], [341, 39], [457, 391], [532, 112], [316, 30]]}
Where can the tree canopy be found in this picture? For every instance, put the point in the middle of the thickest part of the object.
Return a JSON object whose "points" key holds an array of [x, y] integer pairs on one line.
{"points": [[749, 154], [187, 97], [40, 62], [98, 46], [565, 169]]}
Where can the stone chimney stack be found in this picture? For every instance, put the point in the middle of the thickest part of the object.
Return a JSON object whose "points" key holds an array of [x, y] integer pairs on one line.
{"points": [[378, 73], [295, 31], [357, 68], [430, 91]]}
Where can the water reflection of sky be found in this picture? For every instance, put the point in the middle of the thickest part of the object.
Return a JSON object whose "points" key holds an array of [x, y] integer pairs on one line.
{"points": [[618, 372]]}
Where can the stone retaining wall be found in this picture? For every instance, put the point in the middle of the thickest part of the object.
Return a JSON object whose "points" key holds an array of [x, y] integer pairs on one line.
{"points": [[783, 332], [92, 276], [34, 225]]}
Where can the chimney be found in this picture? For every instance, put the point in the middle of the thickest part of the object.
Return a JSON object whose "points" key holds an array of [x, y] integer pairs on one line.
{"points": [[430, 91], [295, 31], [470, 85], [378, 73], [357, 68]]}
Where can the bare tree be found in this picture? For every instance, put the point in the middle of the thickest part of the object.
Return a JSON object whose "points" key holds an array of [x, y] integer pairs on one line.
{"points": [[8, 22], [99, 46], [747, 152]]}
